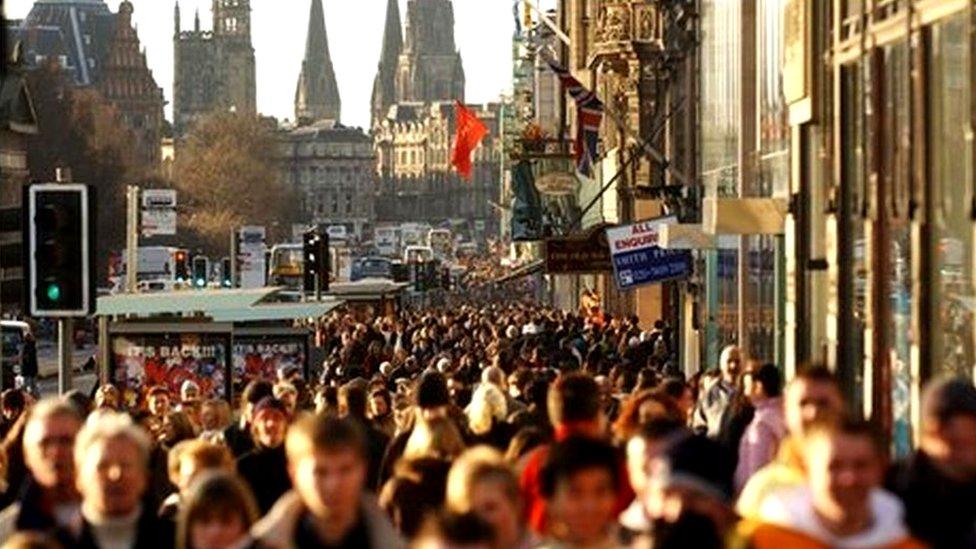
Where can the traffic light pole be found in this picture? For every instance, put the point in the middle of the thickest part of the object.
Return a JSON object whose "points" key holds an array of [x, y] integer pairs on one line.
{"points": [[65, 326], [65, 340]]}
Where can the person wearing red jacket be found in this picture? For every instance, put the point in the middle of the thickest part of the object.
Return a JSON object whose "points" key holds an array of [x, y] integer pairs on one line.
{"points": [[575, 411]]}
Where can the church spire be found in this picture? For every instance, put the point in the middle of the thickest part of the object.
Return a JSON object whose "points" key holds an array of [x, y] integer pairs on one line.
{"points": [[176, 18], [384, 86], [317, 93]]}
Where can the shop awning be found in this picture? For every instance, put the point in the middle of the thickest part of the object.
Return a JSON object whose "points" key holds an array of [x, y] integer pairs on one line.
{"points": [[688, 236]]}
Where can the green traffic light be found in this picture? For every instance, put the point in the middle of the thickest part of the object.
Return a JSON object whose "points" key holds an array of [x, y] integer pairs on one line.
{"points": [[54, 292]]}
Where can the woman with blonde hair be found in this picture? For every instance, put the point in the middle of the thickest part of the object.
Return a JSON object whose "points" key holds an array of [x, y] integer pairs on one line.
{"points": [[486, 416], [483, 483]]}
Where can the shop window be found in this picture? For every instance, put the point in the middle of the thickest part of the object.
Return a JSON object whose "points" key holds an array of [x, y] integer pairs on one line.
{"points": [[951, 172], [894, 143]]}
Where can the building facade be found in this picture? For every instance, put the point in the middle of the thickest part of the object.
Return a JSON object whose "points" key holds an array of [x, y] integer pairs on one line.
{"points": [[418, 79], [213, 70], [417, 181], [879, 277], [333, 168], [637, 57], [101, 50], [18, 123]]}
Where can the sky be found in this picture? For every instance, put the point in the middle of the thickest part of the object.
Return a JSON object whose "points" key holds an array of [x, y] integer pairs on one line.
{"points": [[483, 31]]}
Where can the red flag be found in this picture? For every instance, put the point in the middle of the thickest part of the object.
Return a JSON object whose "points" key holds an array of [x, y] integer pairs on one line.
{"points": [[470, 131]]}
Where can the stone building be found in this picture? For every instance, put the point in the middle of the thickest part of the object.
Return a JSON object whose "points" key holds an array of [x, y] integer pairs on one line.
{"points": [[18, 122], [98, 49], [213, 70], [417, 182], [418, 79], [333, 169]]}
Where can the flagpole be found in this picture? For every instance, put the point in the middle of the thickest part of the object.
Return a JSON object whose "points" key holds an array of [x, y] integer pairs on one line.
{"points": [[643, 145], [548, 22]]}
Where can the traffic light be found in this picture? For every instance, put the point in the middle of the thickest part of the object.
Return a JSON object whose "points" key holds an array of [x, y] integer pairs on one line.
{"points": [[181, 268], [226, 276], [201, 268], [446, 278], [59, 238], [315, 261]]}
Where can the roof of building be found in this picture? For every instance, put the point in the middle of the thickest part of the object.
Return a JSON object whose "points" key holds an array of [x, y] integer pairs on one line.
{"points": [[79, 30]]}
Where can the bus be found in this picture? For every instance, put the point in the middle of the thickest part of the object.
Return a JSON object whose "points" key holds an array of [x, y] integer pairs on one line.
{"points": [[441, 241], [286, 265]]}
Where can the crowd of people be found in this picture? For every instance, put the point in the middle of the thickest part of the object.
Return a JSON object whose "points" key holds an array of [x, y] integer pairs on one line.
{"points": [[494, 427]]}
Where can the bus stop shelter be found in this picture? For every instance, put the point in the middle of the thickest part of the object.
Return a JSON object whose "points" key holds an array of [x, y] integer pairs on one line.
{"points": [[370, 297], [219, 339]]}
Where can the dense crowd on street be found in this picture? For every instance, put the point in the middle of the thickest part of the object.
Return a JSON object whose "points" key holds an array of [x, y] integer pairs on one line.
{"points": [[494, 426]]}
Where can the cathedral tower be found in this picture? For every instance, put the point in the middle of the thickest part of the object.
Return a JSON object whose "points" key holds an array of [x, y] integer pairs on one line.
{"points": [[384, 86], [317, 93], [430, 66]]}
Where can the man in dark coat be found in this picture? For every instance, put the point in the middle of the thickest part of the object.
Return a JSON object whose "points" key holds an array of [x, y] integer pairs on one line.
{"points": [[938, 482], [28, 363], [265, 468], [238, 435], [352, 404], [112, 457], [48, 500]]}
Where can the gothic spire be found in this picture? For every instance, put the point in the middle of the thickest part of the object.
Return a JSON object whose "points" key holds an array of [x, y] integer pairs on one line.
{"points": [[317, 94], [384, 86], [176, 18]]}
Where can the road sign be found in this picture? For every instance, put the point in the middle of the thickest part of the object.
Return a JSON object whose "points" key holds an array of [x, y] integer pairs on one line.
{"points": [[250, 256], [158, 212], [585, 253], [158, 198], [637, 259]]}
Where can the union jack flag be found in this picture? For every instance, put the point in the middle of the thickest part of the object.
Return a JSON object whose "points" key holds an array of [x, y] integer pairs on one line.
{"points": [[589, 114]]}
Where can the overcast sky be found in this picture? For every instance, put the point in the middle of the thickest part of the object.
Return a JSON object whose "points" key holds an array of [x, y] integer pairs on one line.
{"points": [[483, 30]]}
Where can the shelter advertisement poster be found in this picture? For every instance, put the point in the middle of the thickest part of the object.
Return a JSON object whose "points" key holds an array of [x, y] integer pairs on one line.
{"points": [[637, 259], [262, 357], [140, 361]]}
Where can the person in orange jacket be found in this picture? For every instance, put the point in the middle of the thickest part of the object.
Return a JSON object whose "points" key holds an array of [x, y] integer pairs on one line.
{"points": [[842, 505]]}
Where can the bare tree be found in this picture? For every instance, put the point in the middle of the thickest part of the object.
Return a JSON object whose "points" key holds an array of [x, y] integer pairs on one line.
{"points": [[226, 176]]}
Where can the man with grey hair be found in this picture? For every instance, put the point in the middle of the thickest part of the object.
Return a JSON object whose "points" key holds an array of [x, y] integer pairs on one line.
{"points": [[48, 501], [712, 414], [112, 457]]}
